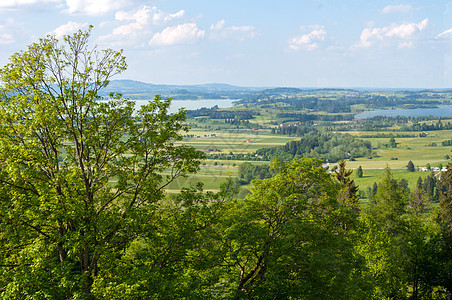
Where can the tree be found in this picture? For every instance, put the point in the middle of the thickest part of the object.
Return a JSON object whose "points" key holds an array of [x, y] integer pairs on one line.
{"points": [[385, 224], [348, 195], [410, 166], [359, 172], [400, 247], [392, 142], [445, 222], [79, 175], [286, 239]]}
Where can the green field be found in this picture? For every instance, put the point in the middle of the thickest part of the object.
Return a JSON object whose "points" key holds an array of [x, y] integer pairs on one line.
{"points": [[214, 172]]}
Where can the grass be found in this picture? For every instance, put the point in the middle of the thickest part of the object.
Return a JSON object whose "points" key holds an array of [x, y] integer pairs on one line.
{"points": [[242, 141], [374, 175]]}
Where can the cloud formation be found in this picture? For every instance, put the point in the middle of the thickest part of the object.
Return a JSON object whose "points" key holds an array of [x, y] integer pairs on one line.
{"points": [[241, 33], [93, 7], [446, 34], [308, 41], [6, 34], [19, 3], [135, 27], [180, 34], [159, 17], [403, 34], [403, 8], [135, 21], [68, 28]]}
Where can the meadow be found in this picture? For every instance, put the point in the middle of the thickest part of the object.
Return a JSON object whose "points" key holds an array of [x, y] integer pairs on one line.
{"points": [[214, 172]]}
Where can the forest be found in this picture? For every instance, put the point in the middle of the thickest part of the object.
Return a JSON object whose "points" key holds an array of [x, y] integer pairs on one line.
{"points": [[87, 212]]}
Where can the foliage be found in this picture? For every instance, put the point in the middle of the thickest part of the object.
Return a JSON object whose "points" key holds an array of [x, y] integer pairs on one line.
{"points": [[78, 176], [249, 172], [215, 113], [286, 239], [359, 172], [83, 213], [392, 142], [318, 144], [401, 247]]}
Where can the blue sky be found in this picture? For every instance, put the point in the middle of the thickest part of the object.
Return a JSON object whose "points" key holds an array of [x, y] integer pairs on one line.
{"points": [[297, 43]]}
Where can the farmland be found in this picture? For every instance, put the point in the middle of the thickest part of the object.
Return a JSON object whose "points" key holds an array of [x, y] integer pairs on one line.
{"points": [[229, 142]]}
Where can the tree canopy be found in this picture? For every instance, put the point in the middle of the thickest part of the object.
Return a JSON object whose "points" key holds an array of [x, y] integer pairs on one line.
{"points": [[78, 174], [84, 214]]}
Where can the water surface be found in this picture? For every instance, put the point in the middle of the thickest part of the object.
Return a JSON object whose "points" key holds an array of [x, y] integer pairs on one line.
{"points": [[193, 104]]}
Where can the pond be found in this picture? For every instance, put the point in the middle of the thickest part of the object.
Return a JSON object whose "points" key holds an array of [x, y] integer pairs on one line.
{"points": [[440, 111]]}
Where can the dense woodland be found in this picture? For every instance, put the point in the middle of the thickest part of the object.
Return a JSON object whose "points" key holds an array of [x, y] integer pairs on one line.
{"points": [[317, 144], [291, 97], [84, 213]]}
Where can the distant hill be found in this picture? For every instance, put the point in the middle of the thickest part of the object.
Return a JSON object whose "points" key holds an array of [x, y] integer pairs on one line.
{"points": [[137, 89], [140, 90]]}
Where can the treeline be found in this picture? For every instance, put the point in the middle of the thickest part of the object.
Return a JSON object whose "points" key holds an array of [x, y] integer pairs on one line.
{"points": [[427, 190], [299, 129], [214, 113], [317, 104], [248, 172], [303, 117], [447, 143], [387, 123], [242, 123], [427, 127], [341, 104], [236, 156], [317, 144], [293, 129], [386, 135]]}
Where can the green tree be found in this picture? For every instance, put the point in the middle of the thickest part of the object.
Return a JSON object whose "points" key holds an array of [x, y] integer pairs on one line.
{"points": [[359, 172], [410, 166], [348, 195], [445, 222], [286, 239], [392, 142], [385, 224], [400, 247], [78, 175]]}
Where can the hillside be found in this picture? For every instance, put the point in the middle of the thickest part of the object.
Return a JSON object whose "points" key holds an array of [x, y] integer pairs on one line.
{"points": [[139, 90]]}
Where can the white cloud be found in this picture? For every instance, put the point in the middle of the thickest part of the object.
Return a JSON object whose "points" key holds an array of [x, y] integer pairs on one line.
{"points": [[18, 3], [308, 41], [180, 34], [219, 31], [68, 28], [446, 34], [135, 28], [218, 26], [403, 33], [145, 14], [6, 32], [397, 8], [159, 17], [139, 21], [94, 7]]}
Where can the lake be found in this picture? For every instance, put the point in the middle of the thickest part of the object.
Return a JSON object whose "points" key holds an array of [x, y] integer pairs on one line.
{"points": [[194, 104], [440, 111]]}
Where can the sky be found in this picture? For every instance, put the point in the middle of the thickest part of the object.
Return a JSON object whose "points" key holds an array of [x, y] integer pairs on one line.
{"points": [[258, 43]]}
